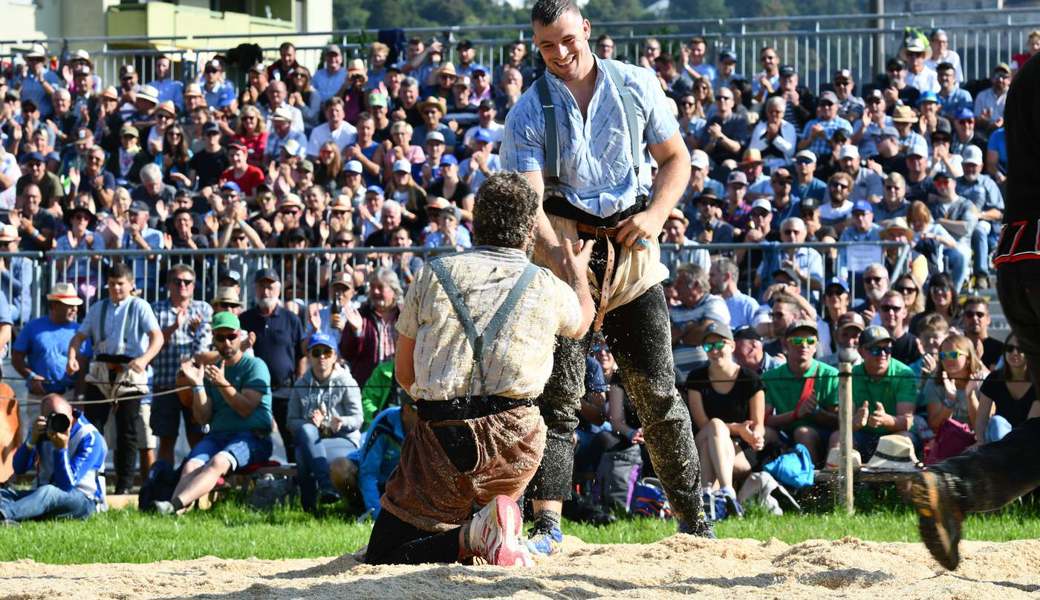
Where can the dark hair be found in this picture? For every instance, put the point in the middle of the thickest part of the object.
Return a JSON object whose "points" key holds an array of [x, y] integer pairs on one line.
{"points": [[1006, 371], [547, 12], [505, 210], [942, 280], [120, 270]]}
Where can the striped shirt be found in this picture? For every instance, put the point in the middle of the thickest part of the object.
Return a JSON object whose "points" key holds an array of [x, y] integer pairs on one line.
{"points": [[518, 362], [596, 167]]}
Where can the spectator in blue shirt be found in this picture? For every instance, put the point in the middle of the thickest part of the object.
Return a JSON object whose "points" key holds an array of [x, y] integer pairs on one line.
{"points": [[68, 458], [234, 397], [805, 184], [218, 92], [952, 98], [367, 468], [168, 87], [39, 82], [40, 353], [817, 132], [330, 78], [16, 275]]}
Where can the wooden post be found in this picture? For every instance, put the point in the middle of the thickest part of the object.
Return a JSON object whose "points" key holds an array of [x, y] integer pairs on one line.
{"points": [[845, 473]]}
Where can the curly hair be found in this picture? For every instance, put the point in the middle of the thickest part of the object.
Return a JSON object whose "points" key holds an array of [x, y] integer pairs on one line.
{"points": [[505, 211]]}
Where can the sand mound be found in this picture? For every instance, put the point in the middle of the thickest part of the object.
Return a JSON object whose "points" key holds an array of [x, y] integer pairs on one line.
{"points": [[677, 566]]}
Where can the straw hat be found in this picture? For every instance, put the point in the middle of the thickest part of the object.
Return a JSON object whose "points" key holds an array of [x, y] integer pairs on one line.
{"points": [[896, 228], [64, 293], [895, 453], [904, 114]]}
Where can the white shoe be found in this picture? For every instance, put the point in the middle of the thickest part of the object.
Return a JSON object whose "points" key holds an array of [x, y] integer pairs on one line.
{"points": [[495, 534], [165, 508]]}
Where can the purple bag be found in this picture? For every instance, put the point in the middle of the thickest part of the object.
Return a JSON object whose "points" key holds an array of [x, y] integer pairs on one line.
{"points": [[952, 439]]}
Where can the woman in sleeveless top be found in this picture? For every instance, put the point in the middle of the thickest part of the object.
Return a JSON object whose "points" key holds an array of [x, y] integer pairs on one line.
{"points": [[727, 403]]}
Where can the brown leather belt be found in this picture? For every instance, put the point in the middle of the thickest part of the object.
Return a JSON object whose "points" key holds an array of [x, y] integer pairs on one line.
{"points": [[608, 234]]}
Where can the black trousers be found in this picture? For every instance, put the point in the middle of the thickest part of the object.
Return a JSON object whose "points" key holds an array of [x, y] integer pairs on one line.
{"points": [[998, 473], [639, 336], [394, 542], [280, 412], [127, 414]]}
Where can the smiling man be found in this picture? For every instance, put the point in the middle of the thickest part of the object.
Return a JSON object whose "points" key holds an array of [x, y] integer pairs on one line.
{"points": [[589, 161]]}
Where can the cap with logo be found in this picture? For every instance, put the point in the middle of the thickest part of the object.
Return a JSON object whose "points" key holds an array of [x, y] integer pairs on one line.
{"points": [[800, 325], [874, 335], [720, 329], [267, 275]]}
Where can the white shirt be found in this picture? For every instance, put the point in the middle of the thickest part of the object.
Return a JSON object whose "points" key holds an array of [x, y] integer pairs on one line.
{"points": [[297, 119], [9, 168], [926, 80], [344, 136]]}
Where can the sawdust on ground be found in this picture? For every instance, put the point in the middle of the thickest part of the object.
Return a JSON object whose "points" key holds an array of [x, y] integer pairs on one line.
{"points": [[677, 566]]}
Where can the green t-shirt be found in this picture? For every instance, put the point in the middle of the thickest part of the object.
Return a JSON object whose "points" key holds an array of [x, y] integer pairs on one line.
{"points": [[784, 388], [897, 385], [249, 373]]}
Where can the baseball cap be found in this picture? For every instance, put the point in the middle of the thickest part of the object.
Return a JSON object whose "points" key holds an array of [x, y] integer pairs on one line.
{"points": [[848, 151], [229, 275], [829, 96], [964, 113], [435, 136], [971, 155], [282, 113], [33, 157], [139, 206], [321, 339], [482, 135], [231, 185], [873, 335], [720, 329], [762, 204], [377, 99], [863, 206], [843, 73], [808, 204], [267, 275], [699, 159], [837, 282], [806, 156], [333, 49], [927, 96], [787, 70], [211, 127], [746, 332], [919, 147], [736, 177], [915, 44], [486, 103], [787, 272], [851, 319], [727, 55], [449, 159], [374, 189], [353, 166], [889, 131], [801, 325], [226, 320], [402, 166], [1002, 67], [895, 64]]}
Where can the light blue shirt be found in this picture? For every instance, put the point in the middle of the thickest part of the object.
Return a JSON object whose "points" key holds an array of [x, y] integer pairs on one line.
{"points": [[822, 146], [275, 143], [170, 89], [494, 164], [596, 169], [127, 326], [328, 83], [742, 309]]}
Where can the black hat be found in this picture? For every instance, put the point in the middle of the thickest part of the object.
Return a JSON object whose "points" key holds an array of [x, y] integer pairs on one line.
{"points": [[77, 210], [267, 274], [787, 70], [746, 332]]}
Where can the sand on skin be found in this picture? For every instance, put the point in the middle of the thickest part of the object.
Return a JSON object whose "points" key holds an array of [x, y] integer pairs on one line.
{"points": [[677, 566]]}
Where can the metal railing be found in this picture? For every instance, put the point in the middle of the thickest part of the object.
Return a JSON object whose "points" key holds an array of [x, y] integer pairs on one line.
{"points": [[304, 273], [815, 45]]}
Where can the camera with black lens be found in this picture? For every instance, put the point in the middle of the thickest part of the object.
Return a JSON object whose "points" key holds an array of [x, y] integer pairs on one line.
{"points": [[58, 423]]}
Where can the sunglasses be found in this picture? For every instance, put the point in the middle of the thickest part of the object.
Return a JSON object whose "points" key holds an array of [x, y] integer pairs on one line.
{"points": [[184, 282], [1011, 348], [227, 337], [873, 279], [950, 354], [835, 292], [907, 290], [799, 340], [343, 242], [713, 346], [721, 98], [891, 308], [224, 306], [321, 352], [974, 313], [839, 186], [877, 351]]}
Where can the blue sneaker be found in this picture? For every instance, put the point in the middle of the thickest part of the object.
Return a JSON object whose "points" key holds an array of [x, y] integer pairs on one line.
{"points": [[544, 542], [733, 507]]}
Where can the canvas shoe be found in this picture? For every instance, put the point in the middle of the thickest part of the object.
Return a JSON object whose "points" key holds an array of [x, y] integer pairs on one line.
{"points": [[165, 508], [545, 542], [938, 516], [494, 534]]}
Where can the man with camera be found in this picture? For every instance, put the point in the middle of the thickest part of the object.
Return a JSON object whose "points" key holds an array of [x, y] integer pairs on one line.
{"points": [[68, 454], [232, 396], [126, 337]]}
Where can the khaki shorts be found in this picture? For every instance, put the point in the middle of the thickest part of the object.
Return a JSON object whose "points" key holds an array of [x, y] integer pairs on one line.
{"points": [[428, 491], [145, 437], [635, 271]]}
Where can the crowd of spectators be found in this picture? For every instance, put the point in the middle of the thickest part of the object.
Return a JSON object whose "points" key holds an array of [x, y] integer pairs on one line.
{"points": [[388, 150]]}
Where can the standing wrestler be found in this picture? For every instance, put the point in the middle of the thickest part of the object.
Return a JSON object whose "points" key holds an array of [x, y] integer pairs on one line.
{"points": [[581, 135], [995, 474], [474, 349]]}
